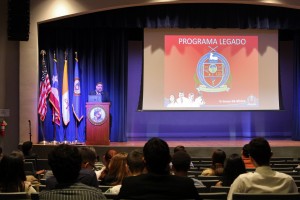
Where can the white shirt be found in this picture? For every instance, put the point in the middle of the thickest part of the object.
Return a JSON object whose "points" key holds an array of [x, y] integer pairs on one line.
{"points": [[263, 180]]}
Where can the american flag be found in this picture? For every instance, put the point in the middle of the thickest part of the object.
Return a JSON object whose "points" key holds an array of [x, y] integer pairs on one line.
{"points": [[54, 96], [45, 89]]}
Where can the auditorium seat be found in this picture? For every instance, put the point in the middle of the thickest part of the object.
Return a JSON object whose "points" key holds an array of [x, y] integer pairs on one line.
{"points": [[13, 195], [213, 195], [219, 189], [29, 168], [208, 177], [42, 164], [266, 196], [202, 189], [104, 188]]}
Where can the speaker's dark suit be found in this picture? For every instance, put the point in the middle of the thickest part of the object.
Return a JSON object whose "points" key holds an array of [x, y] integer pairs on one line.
{"points": [[150, 186]]}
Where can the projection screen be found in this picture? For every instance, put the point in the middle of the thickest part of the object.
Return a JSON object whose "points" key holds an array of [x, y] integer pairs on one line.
{"points": [[210, 69]]}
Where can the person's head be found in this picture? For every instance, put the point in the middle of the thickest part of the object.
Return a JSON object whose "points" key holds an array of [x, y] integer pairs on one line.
{"points": [[179, 148], [245, 151], [218, 159], [27, 147], [108, 156], [99, 87], [157, 156], [88, 157], [12, 174], [65, 162], [117, 167], [218, 156], [234, 166], [181, 161], [260, 151], [135, 162]]}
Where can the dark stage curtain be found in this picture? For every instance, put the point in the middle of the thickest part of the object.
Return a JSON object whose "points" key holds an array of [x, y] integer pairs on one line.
{"points": [[101, 41]]}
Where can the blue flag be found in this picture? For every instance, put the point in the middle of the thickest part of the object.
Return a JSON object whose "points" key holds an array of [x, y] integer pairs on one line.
{"points": [[76, 94]]}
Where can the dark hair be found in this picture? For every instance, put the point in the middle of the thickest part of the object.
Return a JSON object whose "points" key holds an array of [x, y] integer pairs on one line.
{"points": [[87, 155], [246, 150], [12, 175], [157, 156], [135, 161], [260, 151], [234, 166], [218, 159], [65, 162], [179, 148], [181, 161], [26, 147]]}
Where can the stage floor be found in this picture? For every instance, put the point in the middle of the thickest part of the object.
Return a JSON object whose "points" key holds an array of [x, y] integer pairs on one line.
{"points": [[211, 143], [196, 148]]}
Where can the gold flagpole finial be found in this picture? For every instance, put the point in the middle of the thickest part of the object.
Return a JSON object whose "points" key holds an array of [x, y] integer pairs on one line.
{"points": [[54, 56], [76, 56]]}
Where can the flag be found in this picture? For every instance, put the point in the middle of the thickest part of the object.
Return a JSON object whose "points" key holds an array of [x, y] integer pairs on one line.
{"points": [[76, 94], [54, 96], [65, 96], [45, 89]]}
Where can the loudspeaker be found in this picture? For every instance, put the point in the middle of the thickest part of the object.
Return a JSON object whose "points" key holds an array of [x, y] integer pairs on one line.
{"points": [[18, 20]]}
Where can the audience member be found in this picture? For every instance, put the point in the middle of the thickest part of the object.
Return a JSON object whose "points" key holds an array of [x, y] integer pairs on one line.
{"points": [[135, 162], [179, 148], [12, 175], [117, 171], [217, 167], [86, 175], [246, 158], [181, 164], [27, 150], [157, 183], [263, 179], [31, 176], [234, 166], [65, 162], [105, 159]]}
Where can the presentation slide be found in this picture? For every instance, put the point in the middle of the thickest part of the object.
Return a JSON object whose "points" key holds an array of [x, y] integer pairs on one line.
{"points": [[210, 69]]}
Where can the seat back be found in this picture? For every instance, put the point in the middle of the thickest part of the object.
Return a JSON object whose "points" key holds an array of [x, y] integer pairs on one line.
{"points": [[266, 196], [13, 195], [219, 189], [213, 195]]}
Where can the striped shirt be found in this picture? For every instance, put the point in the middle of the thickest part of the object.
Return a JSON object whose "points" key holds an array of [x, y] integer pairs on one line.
{"points": [[77, 191]]}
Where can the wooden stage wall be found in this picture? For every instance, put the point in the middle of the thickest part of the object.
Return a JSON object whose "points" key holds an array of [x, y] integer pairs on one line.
{"points": [[199, 148]]}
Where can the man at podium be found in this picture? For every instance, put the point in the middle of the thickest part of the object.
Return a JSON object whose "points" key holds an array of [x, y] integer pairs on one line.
{"points": [[101, 96]]}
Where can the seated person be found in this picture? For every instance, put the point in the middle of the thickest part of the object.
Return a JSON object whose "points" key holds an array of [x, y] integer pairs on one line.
{"points": [[117, 171], [65, 162], [234, 166], [27, 150], [181, 165], [87, 174], [157, 183], [105, 159], [12, 175], [217, 167], [263, 179]]}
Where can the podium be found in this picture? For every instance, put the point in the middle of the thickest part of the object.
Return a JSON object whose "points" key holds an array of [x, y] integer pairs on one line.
{"points": [[97, 123]]}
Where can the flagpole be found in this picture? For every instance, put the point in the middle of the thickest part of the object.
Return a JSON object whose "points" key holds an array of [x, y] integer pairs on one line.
{"points": [[65, 137], [54, 135], [43, 133], [43, 53]]}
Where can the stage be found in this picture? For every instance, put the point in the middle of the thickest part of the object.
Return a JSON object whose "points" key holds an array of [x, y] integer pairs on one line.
{"points": [[196, 148]]}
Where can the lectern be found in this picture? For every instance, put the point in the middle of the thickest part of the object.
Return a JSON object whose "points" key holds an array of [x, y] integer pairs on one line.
{"points": [[97, 123]]}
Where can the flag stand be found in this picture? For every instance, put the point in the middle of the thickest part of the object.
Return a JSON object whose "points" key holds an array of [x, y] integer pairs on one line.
{"points": [[54, 135], [76, 134], [65, 137], [44, 141]]}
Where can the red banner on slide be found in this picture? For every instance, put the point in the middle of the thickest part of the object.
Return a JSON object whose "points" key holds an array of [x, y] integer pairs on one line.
{"points": [[211, 71]]}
